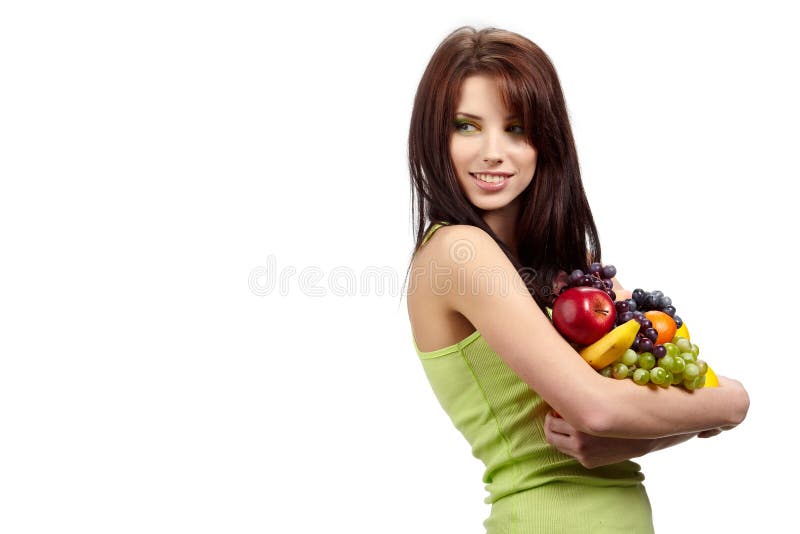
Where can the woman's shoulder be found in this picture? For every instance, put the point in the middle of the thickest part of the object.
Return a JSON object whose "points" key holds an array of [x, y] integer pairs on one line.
{"points": [[444, 236], [453, 253]]}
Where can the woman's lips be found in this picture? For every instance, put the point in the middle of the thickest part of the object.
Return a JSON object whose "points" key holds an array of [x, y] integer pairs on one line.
{"points": [[488, 186]]}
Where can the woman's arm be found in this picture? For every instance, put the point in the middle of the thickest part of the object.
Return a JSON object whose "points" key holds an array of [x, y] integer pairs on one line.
{"points": [[478, 281], [595, 451]]}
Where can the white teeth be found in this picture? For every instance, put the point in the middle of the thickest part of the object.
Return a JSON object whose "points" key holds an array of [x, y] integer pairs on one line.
{"points": [[490, 178]]}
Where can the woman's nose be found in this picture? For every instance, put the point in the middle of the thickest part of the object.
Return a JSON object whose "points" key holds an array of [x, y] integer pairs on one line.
{"points": [[492, 147]]}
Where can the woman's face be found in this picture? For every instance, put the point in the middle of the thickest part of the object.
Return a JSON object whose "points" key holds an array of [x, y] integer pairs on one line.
{"points": [[486, 139]]}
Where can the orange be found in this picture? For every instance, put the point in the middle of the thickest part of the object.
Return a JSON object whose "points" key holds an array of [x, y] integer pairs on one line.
{"points": [[664, 325]]}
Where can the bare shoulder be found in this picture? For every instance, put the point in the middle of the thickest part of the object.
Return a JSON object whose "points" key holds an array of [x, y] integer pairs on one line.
{"points": [[434, 262], [461, 250], [460, 243]]}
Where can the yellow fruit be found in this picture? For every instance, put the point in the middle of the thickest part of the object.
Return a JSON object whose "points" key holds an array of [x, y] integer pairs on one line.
{"points": [[611, 346], [682, 332], [711, 379]]}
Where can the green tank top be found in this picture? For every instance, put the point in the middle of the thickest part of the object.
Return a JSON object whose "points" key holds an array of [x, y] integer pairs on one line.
{"points": [[502, 419]]}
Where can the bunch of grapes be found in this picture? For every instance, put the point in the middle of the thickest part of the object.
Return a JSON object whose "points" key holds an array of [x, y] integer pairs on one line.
{"points": [[671, 363], [599, 276], [678, 366], [643, 301], [635, 307]]}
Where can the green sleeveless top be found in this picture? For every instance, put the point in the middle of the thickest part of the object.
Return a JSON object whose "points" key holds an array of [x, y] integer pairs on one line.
{"points": [[502, 419]]}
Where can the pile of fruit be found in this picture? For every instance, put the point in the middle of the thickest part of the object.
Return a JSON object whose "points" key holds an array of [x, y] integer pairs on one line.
{"points": [[640, 338]]}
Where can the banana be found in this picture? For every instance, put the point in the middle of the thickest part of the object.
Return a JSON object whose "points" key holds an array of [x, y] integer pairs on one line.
{"points": [[611, 346], [711, 379], [683, 332]]}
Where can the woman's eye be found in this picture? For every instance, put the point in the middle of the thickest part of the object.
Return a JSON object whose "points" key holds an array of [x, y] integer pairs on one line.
{"points": [[463, 126]]}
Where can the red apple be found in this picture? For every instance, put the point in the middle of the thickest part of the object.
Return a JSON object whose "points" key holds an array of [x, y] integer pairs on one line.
{"points": [[584, 314]]}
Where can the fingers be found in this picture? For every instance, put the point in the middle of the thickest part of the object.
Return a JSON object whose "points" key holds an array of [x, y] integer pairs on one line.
{"points": [[559, 441], [557, 425]]}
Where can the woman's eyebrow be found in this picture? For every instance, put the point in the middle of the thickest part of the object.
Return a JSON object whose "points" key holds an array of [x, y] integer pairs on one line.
{"points": [[471, 116]]}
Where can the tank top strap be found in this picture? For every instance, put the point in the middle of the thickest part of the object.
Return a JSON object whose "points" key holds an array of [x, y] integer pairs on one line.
{"points": [[432, 229]]}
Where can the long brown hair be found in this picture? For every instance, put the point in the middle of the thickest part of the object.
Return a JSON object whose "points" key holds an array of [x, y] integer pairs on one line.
{"points": [[555, 230]]}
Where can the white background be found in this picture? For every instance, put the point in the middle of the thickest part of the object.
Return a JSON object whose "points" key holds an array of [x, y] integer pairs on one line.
{"points": [[155, 155]]}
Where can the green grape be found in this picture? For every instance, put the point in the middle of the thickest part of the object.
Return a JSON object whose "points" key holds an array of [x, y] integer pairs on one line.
{"points": [[658, 375], [667, 380], [691, 383], [647, 361], [688, 357], [619, 371], [701, 382], [641, 376], [630, 357], [677, 378], [683, 344], [666, 362], [692, 371], [606, 371], [695, 350], [703, 367], [678, 366], [672, 349]]}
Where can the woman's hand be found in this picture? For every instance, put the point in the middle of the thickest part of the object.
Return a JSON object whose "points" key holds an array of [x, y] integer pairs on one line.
{"points": [[595, 451], [591, 451]]}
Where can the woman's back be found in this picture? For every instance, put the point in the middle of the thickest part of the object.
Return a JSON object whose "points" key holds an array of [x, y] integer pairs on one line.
{"points": [[530, 483]]}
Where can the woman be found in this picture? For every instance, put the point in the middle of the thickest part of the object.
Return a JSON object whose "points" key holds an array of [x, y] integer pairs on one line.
{"points": [[494, 167]]}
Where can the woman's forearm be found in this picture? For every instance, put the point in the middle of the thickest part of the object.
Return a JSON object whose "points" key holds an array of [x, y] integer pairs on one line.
{"points": [[633, 411], [662, 443]]}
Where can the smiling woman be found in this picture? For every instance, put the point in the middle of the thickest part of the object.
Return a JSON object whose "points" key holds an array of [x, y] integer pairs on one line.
{"points": [[496, 180], [490, 150]]}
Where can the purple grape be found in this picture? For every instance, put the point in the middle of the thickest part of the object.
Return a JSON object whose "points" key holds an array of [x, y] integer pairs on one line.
{"points": [[635, 344], [678, 321], [646, 345], [597, 284], [587, 280], [659, 351], [651, 333], [631, 304], [663, 302], [622, 306], [575, 277], [595, 268], [651, 301], [638, 295], [612, 294], [609, 271], [639, 316], [608, 284], [669, 310], [647, 323], [624, 317]]}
